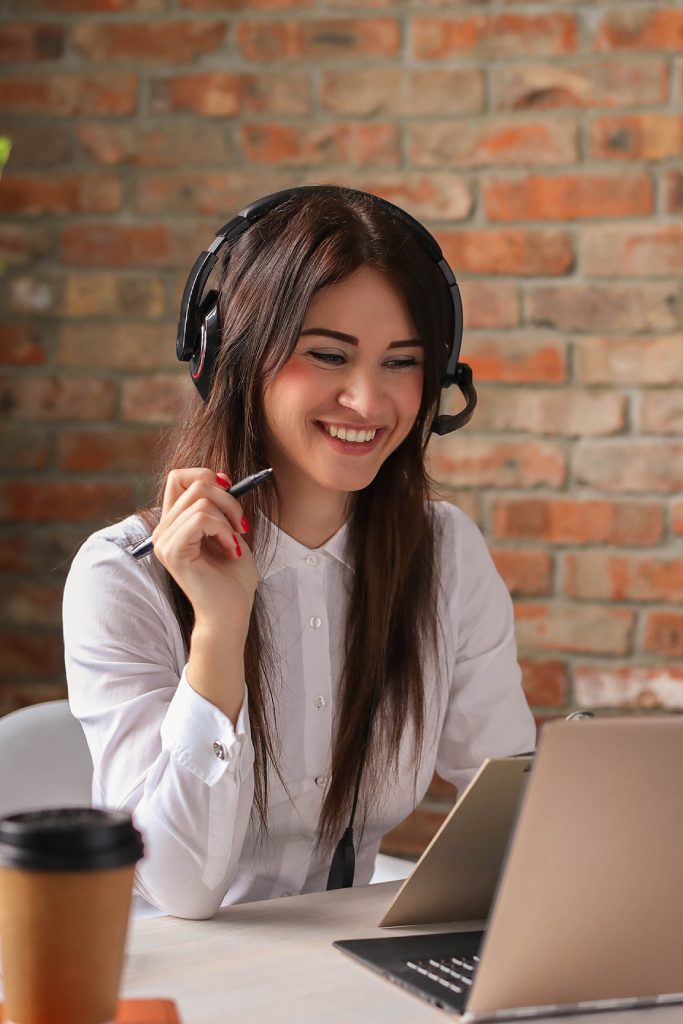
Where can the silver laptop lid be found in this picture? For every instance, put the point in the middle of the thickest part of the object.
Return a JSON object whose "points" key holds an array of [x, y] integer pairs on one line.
{"points": [[590, 906]]}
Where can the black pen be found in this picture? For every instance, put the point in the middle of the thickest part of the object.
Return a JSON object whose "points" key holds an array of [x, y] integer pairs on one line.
{"points": [[237, 490]]}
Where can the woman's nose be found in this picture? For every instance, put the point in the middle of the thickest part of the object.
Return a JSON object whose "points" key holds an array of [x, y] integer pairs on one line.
{"points": [[364, 393]]}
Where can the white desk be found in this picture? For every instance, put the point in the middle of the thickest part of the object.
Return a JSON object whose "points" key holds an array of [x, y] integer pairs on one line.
{"points": [[273, 963]]}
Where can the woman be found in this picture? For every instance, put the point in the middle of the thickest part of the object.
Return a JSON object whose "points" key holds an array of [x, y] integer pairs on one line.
{"points": [[231, 685]]}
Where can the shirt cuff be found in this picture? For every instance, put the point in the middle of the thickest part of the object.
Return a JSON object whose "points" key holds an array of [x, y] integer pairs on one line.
{"points": [[202, 738]]}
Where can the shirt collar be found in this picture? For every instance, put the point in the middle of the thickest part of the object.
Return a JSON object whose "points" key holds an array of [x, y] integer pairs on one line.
{"points": [[282, 551]]}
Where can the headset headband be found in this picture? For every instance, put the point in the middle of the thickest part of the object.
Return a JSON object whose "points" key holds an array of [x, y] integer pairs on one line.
{"points": [[199, 329]]}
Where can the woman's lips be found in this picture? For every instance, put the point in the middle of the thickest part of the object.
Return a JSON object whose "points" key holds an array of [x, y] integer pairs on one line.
{"points": [[352, 447]]}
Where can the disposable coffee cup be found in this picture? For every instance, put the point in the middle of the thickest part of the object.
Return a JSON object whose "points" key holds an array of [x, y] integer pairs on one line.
{"points": [[66, 878]]}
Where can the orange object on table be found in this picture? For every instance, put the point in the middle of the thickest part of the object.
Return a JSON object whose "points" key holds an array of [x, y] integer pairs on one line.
{"points": [[141, 1011]]}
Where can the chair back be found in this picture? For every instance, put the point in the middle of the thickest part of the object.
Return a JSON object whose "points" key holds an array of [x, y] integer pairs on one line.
{"points": [[44, 759]]}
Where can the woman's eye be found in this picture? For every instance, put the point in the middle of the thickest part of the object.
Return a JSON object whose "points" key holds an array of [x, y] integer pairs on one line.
{"points": [[329, 358], [401, 364]]}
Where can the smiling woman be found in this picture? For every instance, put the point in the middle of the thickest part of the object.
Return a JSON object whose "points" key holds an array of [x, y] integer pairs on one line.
{"points": [[231, 692]]}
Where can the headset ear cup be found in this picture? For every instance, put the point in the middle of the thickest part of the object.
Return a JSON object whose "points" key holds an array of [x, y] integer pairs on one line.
{"points": [[203, 362]]}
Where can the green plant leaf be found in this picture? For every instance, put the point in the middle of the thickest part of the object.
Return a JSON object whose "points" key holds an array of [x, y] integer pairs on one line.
{"points": [[5, 147]]}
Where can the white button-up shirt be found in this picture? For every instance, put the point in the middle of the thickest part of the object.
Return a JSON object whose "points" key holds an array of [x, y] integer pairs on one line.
{"points": [[171, 758]]}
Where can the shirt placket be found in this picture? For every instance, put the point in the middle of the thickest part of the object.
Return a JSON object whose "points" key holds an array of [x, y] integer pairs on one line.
{"points": [[315, 643]]}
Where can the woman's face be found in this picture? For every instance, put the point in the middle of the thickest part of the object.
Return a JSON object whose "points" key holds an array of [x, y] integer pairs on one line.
{"points": [[351, 390]]}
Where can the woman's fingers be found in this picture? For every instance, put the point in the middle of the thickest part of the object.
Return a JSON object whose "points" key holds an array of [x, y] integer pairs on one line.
{"points": [[179, 480], [203, 490], [182, 539]]}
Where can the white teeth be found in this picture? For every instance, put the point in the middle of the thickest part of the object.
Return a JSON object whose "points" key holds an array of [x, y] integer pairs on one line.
{"points": [[358, 436]]}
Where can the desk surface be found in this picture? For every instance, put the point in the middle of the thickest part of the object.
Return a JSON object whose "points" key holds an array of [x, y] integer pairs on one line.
{"points": [[273, 963]]}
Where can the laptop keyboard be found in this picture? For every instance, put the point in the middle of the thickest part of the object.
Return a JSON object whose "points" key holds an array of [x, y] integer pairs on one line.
{"points": [[453, 973]]}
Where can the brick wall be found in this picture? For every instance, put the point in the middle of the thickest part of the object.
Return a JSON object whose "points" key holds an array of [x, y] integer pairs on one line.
{"points": [[542, 143]]}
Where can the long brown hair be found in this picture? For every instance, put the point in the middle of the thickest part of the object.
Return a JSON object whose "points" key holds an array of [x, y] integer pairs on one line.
{"points": [[267, 279]]}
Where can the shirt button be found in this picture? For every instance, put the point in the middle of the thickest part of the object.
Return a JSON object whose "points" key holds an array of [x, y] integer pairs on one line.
{"points": [[319, 701], [312, 560], [315, 622], [285, 894], [320, 780], [220, 751]]}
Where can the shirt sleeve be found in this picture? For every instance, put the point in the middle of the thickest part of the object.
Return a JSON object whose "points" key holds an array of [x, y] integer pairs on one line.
{"points": [[487, 714], [160, 751]]}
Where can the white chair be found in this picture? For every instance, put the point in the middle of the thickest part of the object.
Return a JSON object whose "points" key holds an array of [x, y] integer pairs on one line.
{"points": [[44, 759]]}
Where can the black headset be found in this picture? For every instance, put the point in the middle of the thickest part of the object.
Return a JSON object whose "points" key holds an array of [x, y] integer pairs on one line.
{"points": [[199, 325]]}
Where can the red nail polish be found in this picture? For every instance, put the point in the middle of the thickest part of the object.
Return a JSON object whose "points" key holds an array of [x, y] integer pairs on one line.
{"points": [[237, 544], [222, 480], [245, 524]]}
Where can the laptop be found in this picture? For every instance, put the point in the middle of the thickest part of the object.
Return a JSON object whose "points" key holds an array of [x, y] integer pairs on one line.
{"points": [[588, 914], [455, 879]]}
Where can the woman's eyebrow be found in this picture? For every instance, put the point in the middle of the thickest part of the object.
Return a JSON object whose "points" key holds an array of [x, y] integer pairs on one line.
{"points": [[350, 339]]}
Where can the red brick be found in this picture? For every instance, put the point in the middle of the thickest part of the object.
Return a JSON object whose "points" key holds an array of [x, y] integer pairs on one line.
{"points": [[23, 654], [638, 686], [118, 346], [440, 196], [16, 696], [471, 461], [567, 197], [572, 412], [468, 501], [391, 91], [156, 399], [496, 35], [92, 451], [674, 192], [239, 5], [516, 358], [633, 307], [221, 94], [580, 84], [21, 243], [544, 682], [18, 346], [59, 194], [494, 142], [154, 147], [410, 838], [578, 521], [632, 250], [37, 145], [57, 397], [70, 94], [23, 447], [526, 573], [636, 361], [31, 41], [296, 146], [31, 604], [640, 29], [114, 245], [630, 465], [599, 576], [508, 251], [587, 629], [219, 194], [84, 6], [664, 634], [40, 548], [51, 502], [489, 304], [319, 38], [138, 295], [168, 41], [652, 136], [661, 412], [677, 519]]}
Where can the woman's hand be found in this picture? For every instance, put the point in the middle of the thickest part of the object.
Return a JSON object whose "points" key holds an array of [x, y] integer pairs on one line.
{"points": [[198, 541]]}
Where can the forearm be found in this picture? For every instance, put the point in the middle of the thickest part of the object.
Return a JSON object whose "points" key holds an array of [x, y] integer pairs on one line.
{"points": [[215, 668]]}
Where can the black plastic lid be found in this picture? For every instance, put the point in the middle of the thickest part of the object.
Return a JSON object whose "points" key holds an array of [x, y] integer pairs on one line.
{"points": [[69, 839]]}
